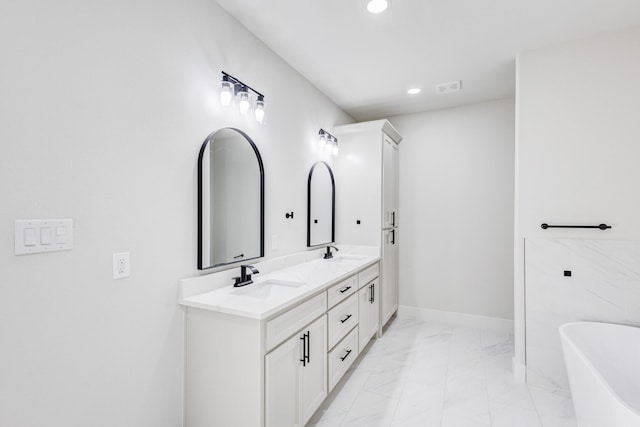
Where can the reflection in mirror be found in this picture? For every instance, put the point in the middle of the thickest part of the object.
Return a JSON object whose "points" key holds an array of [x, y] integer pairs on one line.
{"points": [[321, 199], [230, 199]]}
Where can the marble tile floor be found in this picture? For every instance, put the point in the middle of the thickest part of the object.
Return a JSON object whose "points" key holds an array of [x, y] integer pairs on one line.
{"points": [[421, 374]]}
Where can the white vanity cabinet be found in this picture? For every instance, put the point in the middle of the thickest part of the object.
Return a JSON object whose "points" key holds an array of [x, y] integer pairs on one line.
{"points": [[295, 375], [250, 372], [367, 174], [271, 368]]}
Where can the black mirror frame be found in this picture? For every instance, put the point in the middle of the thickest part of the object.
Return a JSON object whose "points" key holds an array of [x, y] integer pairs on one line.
{"points": [[333, 205], [200, 219]]}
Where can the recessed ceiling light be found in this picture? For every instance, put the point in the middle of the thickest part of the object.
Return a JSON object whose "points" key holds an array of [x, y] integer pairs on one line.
{"points": [[377, 6], [414, 91]]}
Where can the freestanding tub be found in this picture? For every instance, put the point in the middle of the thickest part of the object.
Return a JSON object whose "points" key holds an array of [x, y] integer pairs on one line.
{"points": [[603, 363]]}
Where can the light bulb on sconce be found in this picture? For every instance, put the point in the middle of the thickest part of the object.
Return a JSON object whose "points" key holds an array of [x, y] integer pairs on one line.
{"points": [[334, 148], [322, 139], [226, 91], [259, 110], [329, 145], [243, 100]]}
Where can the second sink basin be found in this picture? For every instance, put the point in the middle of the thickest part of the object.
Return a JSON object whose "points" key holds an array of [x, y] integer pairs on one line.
{"points": [[267, 289], [344, 258]]}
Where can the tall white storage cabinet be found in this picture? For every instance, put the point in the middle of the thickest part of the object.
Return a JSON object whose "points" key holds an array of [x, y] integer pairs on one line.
{"points": [[367, 188]]}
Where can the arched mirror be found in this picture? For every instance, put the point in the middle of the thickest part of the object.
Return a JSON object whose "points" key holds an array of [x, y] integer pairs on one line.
{"points": [[230, 199], [321, 199]]}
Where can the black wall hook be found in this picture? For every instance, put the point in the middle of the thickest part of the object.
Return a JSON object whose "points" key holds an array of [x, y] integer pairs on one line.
{"points": [[289, 215]]}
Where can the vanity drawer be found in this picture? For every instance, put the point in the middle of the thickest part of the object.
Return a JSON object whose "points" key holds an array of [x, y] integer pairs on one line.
{"points": [[341, 357], [288, 323], [342, 318], [341, 290], [368, 274]]}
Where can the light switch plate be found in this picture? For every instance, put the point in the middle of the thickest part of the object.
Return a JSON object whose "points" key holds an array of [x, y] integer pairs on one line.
{"points": [[33, 236]]}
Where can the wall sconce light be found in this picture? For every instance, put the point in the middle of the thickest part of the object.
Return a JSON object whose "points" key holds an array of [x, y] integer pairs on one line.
{"points": [[231, 87], [328, 142]]}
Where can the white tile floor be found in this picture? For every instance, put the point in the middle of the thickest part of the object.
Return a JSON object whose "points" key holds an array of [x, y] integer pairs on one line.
{"points": [[422, 374]]}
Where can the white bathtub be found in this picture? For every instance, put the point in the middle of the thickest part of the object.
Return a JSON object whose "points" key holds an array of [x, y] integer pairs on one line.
{"points": [[603, 362]]}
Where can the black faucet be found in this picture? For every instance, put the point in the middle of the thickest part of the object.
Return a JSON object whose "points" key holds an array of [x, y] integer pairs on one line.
{"points": [[329, 254], [245, 279]]}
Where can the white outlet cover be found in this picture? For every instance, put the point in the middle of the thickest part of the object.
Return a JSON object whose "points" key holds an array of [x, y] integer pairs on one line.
{"points": [[121, 265]]}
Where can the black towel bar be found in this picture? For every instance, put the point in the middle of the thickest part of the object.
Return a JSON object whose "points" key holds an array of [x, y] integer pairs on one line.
{"points": [[601, 226]]}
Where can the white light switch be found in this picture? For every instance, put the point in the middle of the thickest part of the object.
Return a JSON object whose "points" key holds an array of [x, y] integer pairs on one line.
{"points": [[30, 236], [45, 235], [61, 235], [34, 236]]}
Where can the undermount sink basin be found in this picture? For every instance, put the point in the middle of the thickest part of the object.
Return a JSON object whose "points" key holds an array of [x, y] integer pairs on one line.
{"points": [[345, 258], [267, 289]]}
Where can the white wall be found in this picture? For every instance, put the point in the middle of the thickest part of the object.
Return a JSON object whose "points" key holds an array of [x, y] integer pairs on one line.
{"points": [[578, 147], [104, 106], [456, 205]]}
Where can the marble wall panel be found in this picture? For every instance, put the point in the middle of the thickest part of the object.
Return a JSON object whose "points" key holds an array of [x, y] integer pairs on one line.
{"points": [[604, 286]]}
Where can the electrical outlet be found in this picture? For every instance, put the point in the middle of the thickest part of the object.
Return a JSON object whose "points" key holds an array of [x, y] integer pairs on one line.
{"points": [[121, 265]]}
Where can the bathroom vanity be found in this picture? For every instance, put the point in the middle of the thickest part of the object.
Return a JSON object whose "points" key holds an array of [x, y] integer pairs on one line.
{"points": [[269, 353]]}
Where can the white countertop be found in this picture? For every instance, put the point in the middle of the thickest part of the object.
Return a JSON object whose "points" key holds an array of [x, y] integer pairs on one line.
{"points": [[248, 301]]}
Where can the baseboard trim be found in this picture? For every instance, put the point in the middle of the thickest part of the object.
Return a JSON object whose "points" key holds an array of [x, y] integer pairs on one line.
{"points": [[519, 371], [458, 319]]}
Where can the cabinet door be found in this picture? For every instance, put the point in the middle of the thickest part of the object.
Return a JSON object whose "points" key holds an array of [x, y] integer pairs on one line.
{"points": [[388, 181], [395, 184], [363, 316], [369, 312], [374, 308], [282, 384], [314, 371], [395, 264], [389, 274]]}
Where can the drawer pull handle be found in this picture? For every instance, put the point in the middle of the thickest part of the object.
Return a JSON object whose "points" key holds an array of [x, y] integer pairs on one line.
{"points": [[346, 355], [346, 318], [345, 289]]}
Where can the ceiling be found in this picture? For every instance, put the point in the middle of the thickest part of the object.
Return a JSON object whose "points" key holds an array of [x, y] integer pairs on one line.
{"points": [[365, 63]]}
